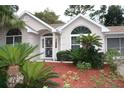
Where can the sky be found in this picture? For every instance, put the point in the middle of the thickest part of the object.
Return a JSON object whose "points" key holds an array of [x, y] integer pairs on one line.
{"points": [[58, 6]]}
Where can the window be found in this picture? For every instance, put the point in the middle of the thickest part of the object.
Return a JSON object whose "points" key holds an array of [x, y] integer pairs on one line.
{"points": [[116, 43], [13, 36], [75, 42], [43, 43], [56, 43], [75, 34]]}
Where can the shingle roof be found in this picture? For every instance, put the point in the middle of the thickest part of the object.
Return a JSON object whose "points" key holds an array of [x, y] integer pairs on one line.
{"points": [[116, 28]]}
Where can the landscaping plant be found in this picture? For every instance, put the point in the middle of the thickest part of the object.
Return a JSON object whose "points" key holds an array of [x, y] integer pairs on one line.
{"points": [[37, 75], [13, 57], [64, 56], [110, 58], [83, 66]]}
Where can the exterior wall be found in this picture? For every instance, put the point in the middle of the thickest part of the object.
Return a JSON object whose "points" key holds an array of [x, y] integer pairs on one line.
{"points": [[26, 38], [31, 38], [33, 23], [66, 33], [2, 37]]}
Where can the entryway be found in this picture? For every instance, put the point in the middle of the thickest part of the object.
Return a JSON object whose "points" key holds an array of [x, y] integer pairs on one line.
{"points": [[47, 46]]}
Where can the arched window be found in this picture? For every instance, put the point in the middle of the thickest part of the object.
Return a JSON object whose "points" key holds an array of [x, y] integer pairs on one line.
{"points": [[75, 34], [13, 36], [81, 30]]}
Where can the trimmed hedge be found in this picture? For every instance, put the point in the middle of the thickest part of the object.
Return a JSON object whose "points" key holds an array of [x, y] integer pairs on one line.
{"points": [[64, 56]]}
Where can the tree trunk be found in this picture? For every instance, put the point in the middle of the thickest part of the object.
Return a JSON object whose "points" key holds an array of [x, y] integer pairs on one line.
{"points": [[14, 75]]}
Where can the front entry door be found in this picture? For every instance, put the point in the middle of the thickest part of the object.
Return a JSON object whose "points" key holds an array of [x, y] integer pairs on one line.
{"points": [[48, 46]]}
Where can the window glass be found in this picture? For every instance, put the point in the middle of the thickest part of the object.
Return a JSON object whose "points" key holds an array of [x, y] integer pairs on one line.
{"points": [[13, 36], [81, 30], [75, 43], [9, 40]]}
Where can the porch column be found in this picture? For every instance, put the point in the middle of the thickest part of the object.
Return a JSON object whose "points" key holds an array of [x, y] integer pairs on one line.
{"points": [[53, 49]]}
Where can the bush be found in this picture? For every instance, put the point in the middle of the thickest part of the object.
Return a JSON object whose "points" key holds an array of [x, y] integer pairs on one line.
{"points": [[84, 65], [64, 56], [110, 57], [95, 57], [3, 78], [77, 55], [37, 75], [91, 55]]}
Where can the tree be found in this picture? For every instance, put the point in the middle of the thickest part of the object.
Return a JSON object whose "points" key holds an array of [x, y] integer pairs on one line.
{"points": [[13, 57], [48, 16], [100, 14], [8, 18], [114, 17], [77, 9], [90, 40], [109, 16]]}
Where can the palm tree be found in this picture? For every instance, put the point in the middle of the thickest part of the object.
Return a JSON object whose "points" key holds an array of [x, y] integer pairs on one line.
{"points": [[90, 40], [8, 18], [37, 75], [15, 56]]}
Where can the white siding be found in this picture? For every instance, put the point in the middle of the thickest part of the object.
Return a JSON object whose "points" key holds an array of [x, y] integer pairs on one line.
{"points": [[66, 33]]}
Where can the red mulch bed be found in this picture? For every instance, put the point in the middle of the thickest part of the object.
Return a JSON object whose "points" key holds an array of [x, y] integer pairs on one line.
{"points": [[84, 77]]}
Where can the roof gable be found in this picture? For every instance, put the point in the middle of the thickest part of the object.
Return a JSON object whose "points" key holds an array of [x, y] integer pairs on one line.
{"points": [[104, 29], [37, 19]]}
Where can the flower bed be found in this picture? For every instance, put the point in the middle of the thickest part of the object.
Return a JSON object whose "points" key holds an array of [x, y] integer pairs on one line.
{"points": [[70, 76]]}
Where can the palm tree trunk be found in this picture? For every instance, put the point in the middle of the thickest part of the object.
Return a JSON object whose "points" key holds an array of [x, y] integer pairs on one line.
{"points": [[14, 75]]}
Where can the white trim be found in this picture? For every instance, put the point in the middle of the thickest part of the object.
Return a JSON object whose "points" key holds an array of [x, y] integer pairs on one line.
{"points": [[42, 22], [30, 30], [104, 29], [111, 33]]}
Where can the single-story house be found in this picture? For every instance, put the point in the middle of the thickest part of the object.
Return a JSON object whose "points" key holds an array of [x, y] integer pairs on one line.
{"points": [[52, 38]]}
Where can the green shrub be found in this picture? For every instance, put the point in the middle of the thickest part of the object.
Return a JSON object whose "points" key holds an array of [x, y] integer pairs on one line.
{"points": [[91, 55], [37, 75], [94, 57], [77, 55], [84, 65], [3, 78], [110, 57], [64, 56]]}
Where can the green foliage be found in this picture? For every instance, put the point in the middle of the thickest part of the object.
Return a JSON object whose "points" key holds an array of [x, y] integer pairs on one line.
{"points": [[110, 57], [109, 16], [37, 75], [84, 66], [90, 40], [16, 55], [48, 16], [77, 9], [67, 85], [3, 78], [77, 55], [94, 57], [99, 14], [105, 80], [7, 17], [91, 55], [64, 55], [114, 16]]}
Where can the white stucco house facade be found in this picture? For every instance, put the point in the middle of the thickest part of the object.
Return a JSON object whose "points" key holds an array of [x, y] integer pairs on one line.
{"points": [[52, 38]]}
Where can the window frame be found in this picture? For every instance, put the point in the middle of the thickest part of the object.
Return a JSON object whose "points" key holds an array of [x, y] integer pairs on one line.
{"points": [[79, 35], [13, 38]]}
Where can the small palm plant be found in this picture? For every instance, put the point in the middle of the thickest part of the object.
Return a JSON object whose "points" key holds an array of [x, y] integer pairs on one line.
{"points": [[37, 75], [13, 57], [90, 40], [16, 55]]}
